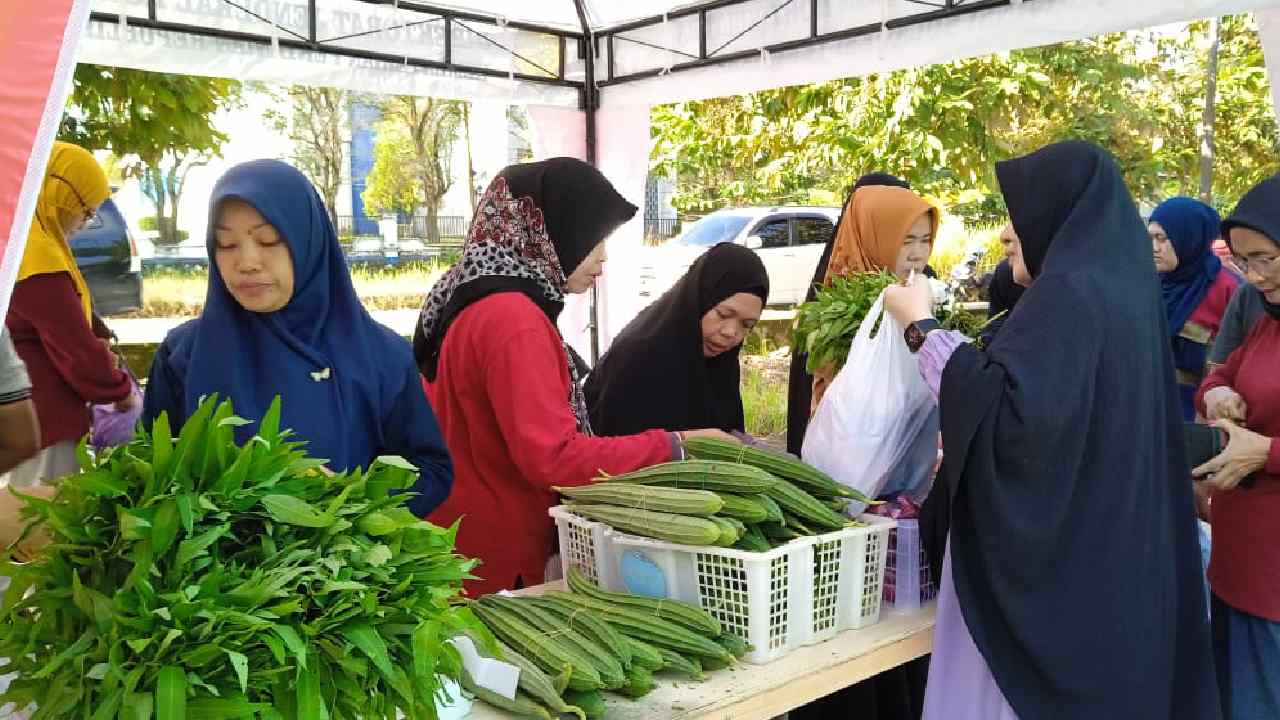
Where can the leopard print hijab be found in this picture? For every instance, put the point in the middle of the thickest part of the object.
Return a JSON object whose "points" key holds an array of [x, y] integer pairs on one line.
{"points": [[534, 225]]}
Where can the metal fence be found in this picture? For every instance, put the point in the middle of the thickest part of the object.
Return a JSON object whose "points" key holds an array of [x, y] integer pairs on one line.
{"points": [[413, 228], [657, 227]]}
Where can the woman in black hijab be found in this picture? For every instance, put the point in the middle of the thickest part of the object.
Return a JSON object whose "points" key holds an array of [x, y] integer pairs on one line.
{"points": [[500, 377], [675, 366], [800, 382], [1074, 586]]}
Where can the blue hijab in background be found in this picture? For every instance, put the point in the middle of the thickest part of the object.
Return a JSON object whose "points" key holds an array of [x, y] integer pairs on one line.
{"points": [[339, 372], [1191, 226]]}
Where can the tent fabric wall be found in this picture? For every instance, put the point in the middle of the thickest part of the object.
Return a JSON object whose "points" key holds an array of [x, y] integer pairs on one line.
{"points": [[37, 60], [622, 146], [1269, 34]]}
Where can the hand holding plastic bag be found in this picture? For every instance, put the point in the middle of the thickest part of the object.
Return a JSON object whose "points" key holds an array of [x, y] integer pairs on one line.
{"points": [[112, 427], [873, 411]]}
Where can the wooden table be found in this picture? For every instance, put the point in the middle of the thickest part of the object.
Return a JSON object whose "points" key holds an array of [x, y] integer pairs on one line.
{"points": [[760, 692]]}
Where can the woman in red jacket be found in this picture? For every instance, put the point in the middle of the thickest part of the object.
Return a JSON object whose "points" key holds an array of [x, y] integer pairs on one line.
{"points": [[51, 318], [504, 385], [1243, 397]]}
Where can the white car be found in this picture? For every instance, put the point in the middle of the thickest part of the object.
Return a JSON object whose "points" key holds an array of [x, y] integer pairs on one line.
{"points": [[788, 239]]}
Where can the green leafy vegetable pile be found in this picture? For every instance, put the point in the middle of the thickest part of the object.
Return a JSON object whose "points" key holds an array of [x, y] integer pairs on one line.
{"points": [[825, 326], [190, 577]]}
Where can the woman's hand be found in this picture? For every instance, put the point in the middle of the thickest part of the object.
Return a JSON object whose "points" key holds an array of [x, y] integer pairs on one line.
{"points": [[911, 302], [708, 433], [1246, 454], [12, 524], [1223, 403], [128, 403]]}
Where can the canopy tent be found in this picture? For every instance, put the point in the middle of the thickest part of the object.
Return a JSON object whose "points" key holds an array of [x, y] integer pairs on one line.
{"points": [[643, 52]]}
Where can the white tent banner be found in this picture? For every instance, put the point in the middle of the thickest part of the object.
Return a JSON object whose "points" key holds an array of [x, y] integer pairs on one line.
{"points": [[341, 25], [1018, 25]]}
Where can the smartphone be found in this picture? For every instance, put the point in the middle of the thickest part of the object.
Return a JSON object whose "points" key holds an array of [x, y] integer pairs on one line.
{"points": [[1203, 443]]}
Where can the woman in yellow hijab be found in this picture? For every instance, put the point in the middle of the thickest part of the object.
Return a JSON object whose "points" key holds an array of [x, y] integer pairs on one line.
{"points": [[51, 316], [883, 228]]}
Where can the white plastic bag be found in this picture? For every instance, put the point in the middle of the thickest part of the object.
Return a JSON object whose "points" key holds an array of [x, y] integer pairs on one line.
{"points": [[873, 410]]}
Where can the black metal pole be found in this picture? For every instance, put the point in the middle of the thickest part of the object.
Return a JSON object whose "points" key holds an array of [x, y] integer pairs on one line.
{"points": [[448, 42], [589, 104], [311, 21]]}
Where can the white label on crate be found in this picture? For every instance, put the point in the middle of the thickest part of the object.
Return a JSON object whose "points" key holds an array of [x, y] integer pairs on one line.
{"points": [[488, 673]]}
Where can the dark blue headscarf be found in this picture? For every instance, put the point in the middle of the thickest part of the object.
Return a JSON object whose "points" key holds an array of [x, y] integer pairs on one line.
{"points": [[337, 370], [1192, 227]]}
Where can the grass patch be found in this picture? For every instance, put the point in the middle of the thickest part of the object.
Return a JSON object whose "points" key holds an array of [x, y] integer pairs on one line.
{"points": [[181, 292], [764, 401]]}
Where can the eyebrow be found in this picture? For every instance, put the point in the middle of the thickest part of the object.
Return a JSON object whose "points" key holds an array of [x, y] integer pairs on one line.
{"points": [[220, 226]]}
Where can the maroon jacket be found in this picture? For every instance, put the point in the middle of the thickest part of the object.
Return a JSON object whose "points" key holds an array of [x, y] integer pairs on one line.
{"points": [[69, 366]]}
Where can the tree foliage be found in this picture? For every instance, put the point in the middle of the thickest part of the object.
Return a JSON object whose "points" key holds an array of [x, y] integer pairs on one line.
{"points": [[943, 127], [416, 137], [315, 120], [392, 185], [160, 127]]}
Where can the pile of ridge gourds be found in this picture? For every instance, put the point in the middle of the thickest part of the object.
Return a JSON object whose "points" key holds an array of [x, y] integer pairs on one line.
{"points": [[571, 647], [731, 495]]}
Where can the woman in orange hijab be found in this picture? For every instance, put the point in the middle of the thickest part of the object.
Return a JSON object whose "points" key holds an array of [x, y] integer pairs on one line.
{"points": [[882, 228], [51, 318]]}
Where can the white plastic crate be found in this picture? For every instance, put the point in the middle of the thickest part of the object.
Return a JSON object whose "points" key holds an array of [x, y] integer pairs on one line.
{"points": [[907, 581], [803, 592]]}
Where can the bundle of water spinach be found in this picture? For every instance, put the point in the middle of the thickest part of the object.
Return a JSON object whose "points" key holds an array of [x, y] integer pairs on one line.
{"points": [[191, 577]]}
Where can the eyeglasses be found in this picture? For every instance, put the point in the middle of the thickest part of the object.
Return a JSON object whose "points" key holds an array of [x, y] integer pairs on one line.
{"points": [[1260, 265], [89, 212]]}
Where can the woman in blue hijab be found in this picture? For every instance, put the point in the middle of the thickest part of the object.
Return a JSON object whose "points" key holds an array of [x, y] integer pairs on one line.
{"points": [[1196, 287], [282, 318]]}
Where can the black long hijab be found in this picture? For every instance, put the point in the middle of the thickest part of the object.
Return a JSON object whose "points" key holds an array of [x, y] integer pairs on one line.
{"points": [[655, 375], [799, 381], [1003, 293], [1073, 541]]}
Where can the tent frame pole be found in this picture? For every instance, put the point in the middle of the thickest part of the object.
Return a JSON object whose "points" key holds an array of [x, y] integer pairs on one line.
{"points": [[590, 102]]}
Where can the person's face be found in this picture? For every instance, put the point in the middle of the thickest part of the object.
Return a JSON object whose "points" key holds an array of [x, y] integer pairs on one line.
{"points": [[74, 220], [254, 259], [1013, 252], [584, 276], [1260, 259], [916, 247], [726, 325], [1166, 257]]}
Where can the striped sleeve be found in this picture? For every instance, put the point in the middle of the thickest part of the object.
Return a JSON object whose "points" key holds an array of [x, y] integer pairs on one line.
{"points": [[15, 386]]}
